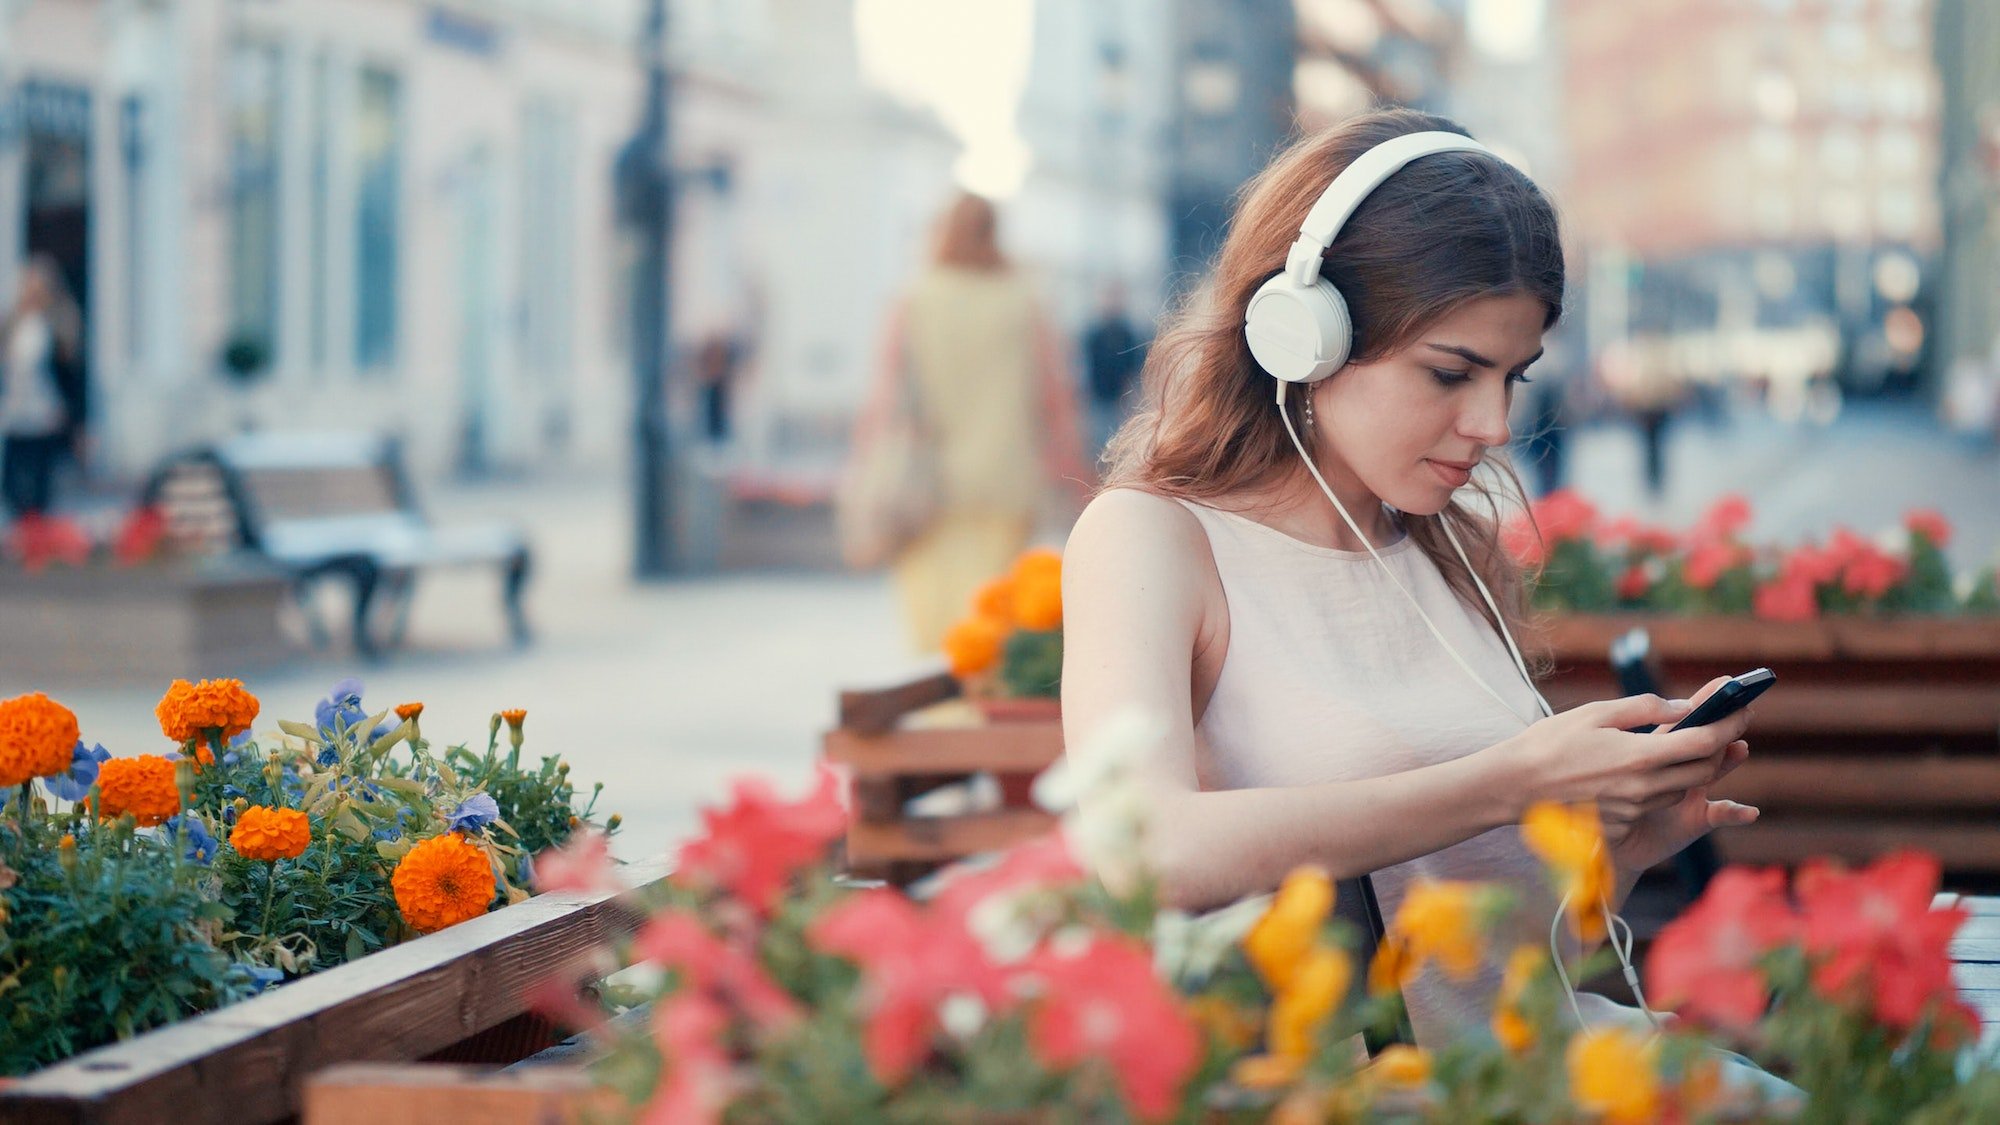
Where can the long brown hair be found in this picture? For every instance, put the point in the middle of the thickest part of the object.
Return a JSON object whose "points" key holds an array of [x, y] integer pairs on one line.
{"points": [[1444, 231], [968, 235]]}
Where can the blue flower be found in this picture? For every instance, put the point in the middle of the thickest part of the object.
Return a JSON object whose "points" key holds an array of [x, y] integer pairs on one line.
{"points": [[328, 756], [390, 833], [200, 845], [231, 758], [260, 976], [75, 785], [527, 869], [342, 703], [475, 813]]}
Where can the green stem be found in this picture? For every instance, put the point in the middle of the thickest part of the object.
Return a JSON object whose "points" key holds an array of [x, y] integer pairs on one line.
{"points": [[270, 890]]}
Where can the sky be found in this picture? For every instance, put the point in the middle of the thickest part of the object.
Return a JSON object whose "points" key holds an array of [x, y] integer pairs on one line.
{"points": [[967, 60]]}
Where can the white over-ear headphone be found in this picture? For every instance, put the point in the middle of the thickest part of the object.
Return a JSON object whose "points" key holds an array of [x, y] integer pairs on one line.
{"points": [[1300, 332], [1297, 322]]}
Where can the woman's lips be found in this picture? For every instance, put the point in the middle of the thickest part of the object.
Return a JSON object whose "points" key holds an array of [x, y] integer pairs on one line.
{"points": [[1453, 476]]}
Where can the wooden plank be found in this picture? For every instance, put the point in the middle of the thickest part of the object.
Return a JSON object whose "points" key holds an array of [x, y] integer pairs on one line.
{"points": [[1959, 847], [246, 1063], [873, 712], [1002, 748], [945, 838], [1976, 977], [378, 1094], [1919, 782], [1975, 949], [1584, 638]]}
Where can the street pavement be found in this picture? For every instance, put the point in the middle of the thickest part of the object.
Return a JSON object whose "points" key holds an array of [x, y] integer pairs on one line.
{"points": [[665, 691]]}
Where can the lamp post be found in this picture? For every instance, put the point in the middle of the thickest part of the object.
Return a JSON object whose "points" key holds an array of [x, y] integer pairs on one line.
{"points": [[646, 189]]}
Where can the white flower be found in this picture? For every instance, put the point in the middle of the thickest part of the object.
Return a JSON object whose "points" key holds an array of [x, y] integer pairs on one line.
{"points": [[1188, 948], [962, 1015], [1104, 804]]}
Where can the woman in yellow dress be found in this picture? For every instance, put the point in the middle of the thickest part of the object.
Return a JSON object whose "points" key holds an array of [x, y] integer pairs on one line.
{"points": [[969, 346]]}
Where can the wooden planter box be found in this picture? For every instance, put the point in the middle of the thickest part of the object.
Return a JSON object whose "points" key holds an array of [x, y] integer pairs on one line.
{"points": [[894, 756], [1882, 733], [102, 623], [459, 995]]}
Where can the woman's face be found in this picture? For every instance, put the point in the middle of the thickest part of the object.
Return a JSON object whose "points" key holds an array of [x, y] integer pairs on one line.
{"points": [[1409, 427]]}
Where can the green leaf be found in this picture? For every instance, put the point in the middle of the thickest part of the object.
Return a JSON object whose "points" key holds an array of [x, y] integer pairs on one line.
{"points": [[356, 948], [349, 825], [300, 730]]}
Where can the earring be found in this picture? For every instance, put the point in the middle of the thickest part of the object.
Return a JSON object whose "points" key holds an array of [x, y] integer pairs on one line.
{"points": [[1309, 409]]}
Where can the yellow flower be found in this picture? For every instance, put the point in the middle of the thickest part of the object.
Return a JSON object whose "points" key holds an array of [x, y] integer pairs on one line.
{"points": [[1317, 987], [443, 881], [37, 738], [1230, 1024], [1612, 1073], [1440, 921], [1570, 841], [1280, 940], [270, 834], [1510, 1027], [1402, 1065], [143, 786], [1394, 966]]}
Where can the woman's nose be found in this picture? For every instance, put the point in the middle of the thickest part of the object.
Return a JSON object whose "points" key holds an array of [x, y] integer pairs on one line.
{"points": [[1486, 421]]}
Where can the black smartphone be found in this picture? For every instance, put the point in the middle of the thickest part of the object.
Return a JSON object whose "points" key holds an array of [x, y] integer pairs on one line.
{"points": [[1731, 697]]}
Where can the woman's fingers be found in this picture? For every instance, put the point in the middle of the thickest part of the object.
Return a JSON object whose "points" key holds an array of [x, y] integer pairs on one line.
{"points": [[1731, 814]]}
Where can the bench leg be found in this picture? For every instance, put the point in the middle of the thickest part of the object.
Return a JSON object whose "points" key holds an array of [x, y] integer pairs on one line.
{"points": [[302, 597], [517, 577], [367, 579], [402, 586]]}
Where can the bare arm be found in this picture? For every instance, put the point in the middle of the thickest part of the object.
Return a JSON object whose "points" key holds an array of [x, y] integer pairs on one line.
{"points": [[1137, 583], [877, 408]]}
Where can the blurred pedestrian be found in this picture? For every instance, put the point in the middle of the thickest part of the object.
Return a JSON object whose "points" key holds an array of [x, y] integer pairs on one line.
{"points": [[1113, 354], [41, 387], [1651, 394], [1545, 436], [716, 360], [968, 351]]}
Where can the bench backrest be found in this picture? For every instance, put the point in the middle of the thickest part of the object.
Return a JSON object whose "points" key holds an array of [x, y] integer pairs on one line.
{"points": [[255, 487]]}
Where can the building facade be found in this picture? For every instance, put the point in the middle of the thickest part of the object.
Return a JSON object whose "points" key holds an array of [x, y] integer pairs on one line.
{"points": [[1752, 184]]}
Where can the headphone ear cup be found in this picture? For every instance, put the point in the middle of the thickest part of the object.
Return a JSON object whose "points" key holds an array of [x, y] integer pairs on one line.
{"points": [[1298, 334]]}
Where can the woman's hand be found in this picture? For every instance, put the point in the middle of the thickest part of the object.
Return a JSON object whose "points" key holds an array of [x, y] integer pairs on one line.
{"points": [[1585, 755], [1661, 833]]}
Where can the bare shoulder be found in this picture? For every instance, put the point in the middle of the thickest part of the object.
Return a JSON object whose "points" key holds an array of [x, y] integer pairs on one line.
{"points": [[1131, 524]]}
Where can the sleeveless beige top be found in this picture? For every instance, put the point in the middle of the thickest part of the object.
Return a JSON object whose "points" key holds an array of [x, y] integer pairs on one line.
{"points": [[970, 339], [1330, 675]]}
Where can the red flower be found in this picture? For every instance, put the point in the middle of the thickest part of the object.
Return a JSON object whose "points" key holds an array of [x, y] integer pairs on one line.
{"points": [[1704, 963], [1845, 547], [1812, 567], [1043, 862], [1872, 573], [754, 847], [1708, 561], [1724, 518], [1563, 515], [1523, 543], [1878, 941], [38, 540], [910, 963], [1106, 1002], [140, 536], [1633, 584], [1931, 524], [582, 865], [1785, 599], [695, 1088], [715, 968]]}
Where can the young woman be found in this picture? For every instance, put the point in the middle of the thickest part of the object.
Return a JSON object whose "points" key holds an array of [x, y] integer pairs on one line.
{"points": [[1324, 705]]}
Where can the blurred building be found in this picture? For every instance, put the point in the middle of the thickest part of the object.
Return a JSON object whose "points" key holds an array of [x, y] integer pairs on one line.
{"points": [[1753, 184], [347, 213], [1232, 108], [1968, 320], [1354, 54]]}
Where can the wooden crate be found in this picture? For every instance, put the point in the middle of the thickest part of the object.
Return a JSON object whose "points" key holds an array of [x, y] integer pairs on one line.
{"points": [[460, 995], [893, 757], [1881, 732]]}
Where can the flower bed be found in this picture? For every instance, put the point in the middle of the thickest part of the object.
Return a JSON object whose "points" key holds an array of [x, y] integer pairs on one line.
{"points": [[1021, 987], [137, 891]]}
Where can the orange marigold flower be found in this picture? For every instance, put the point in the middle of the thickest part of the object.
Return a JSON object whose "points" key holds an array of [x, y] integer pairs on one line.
{"points": [[188, 710], [515, 717], [973, 645], [441, 882], [409, 710], [37, 738], [143, 786], [995, 599], [1040, 562], [270, 834], [1038, 602]]}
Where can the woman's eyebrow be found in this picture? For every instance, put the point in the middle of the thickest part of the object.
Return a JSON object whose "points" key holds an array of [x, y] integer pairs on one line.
{"points": [[1475, 358]]}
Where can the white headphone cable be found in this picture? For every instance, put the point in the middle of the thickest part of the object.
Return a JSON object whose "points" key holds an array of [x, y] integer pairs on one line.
{"points": [[1611, 921]]}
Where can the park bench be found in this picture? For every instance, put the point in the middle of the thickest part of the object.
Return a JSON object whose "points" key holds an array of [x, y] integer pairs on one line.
{"points": [[331, 506]]}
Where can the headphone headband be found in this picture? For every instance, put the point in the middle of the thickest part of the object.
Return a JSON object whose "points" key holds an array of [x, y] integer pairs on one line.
{"points": [[1345, 194]]}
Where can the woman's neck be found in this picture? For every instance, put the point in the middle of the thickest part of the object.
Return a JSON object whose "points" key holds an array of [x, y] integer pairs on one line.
{"points": [[1296, 506]]}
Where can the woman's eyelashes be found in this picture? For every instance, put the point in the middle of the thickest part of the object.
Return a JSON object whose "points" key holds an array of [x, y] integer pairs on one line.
{"points": [[1458, 378]]}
